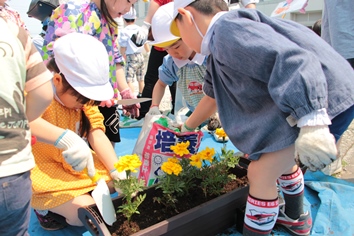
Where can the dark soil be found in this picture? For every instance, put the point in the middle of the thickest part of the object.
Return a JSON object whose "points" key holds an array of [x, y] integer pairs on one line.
{"points": [[152, 212]]}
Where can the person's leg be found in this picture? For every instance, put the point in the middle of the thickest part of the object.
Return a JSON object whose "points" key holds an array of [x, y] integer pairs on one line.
{"points": [[130, 71], [139, 73], [262, 206], [173, 96], [69, 210], [151, 77], [15, 204]]}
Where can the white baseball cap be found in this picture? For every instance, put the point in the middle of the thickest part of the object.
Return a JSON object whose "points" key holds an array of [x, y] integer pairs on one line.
{"points": [[83, 60], [160, 26], [178, 4], [130, 15]]}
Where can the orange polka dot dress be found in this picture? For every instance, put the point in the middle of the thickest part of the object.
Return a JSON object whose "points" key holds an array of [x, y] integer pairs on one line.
{"points": [[54, 181]]}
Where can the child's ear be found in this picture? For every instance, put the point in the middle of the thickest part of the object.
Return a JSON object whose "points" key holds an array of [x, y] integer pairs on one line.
{"points": [[57, 79], [186, 16]]}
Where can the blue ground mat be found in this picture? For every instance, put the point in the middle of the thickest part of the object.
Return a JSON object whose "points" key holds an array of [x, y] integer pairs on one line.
{"points": [[330, 200]]}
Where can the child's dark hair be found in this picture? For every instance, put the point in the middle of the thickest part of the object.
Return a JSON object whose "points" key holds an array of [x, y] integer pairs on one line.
{"points": [[106, 14], [129, 20], [208, 7], [85, 123], [317, 27]]}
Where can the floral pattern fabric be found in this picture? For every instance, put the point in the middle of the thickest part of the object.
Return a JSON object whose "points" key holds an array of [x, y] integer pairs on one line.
{"points": [[87, 19]]}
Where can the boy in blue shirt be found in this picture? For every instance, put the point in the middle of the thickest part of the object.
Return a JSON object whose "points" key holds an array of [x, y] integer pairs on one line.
{"points": [[280, 90], [181, 65]]}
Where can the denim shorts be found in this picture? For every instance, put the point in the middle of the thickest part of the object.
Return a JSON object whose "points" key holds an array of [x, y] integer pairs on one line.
{"points": [[15, 204], [341, 122]]}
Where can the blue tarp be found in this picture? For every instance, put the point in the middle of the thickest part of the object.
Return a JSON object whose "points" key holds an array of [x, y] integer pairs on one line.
{"points": [[329, 199]]}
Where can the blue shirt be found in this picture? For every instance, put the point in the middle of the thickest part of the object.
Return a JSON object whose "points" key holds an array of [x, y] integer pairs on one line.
{"points": [[267, 70]]}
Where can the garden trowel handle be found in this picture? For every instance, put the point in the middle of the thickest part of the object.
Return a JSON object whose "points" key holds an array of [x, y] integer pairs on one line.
{"points": [[95, 177]]}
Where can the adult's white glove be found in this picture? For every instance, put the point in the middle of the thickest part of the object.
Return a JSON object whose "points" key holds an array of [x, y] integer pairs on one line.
{"points": [[315, 147], [76, 151], [130, 110], [154, 111], [117, 176], [143, 33]]}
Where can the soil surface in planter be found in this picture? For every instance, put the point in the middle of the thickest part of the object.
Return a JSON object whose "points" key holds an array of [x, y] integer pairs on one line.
{"points": [[152, 212]]}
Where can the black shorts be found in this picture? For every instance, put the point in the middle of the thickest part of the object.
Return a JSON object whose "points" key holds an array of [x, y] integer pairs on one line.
{"points": [[111, 122]]}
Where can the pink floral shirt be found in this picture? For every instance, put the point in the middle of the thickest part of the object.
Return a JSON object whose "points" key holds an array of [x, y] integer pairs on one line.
{"points": [[87, 19]]}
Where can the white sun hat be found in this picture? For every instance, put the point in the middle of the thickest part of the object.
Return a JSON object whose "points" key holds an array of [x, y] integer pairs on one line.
{"points": [[177, 4], [160, 26], [83, 60]]}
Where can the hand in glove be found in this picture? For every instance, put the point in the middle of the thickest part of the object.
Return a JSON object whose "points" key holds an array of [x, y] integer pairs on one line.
{"points": [[143, 33], [116, 176], [130, 110], [154, 110], [185, 128], [76, 151], [315, 147]]}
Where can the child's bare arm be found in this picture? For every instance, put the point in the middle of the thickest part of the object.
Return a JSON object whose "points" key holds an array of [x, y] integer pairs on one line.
{"points": [[158, 92], [44, 131], [103, 148], [205, 108]]}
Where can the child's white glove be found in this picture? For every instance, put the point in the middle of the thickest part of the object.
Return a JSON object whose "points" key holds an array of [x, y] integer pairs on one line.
{"points": [[154, 111], [143, 33], [76, 151], [315, 147], [115, 175], [185, 128]]}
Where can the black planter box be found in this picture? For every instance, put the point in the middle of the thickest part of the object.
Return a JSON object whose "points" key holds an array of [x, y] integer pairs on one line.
{"points": [[209, 218]]}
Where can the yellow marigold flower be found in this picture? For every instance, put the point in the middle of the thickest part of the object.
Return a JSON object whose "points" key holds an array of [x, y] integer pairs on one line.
{"points": [[181, 149], [171, 167], [196, 160], [207, 154], [220, 132], [128, 162], [173, 159]]}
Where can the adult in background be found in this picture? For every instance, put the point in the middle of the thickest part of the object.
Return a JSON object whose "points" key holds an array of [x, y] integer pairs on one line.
{"points": [[235, 4], [338, 27], [96, 18], [155, 59], [39, 39]]}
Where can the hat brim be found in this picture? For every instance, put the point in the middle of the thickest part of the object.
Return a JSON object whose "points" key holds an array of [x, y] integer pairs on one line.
{"points": [[164, 43], [174, 29], [95, 92]]}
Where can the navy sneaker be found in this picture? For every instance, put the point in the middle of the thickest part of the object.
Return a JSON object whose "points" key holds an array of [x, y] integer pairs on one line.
{"points": [[300, 226], [49, 223]]}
